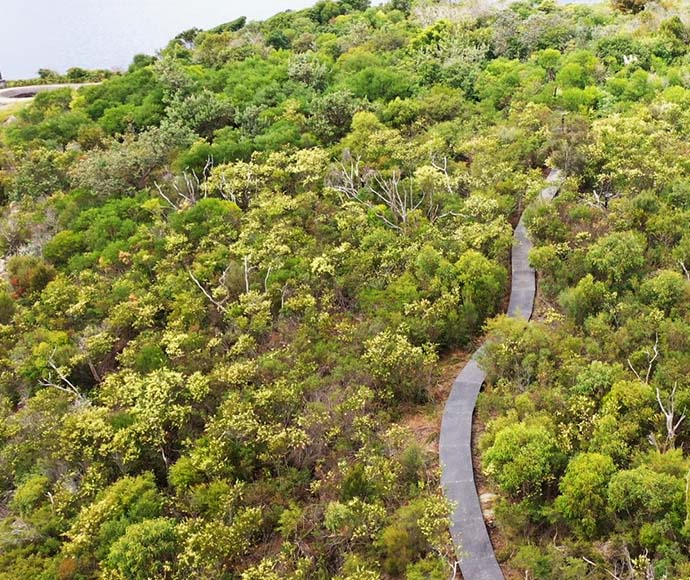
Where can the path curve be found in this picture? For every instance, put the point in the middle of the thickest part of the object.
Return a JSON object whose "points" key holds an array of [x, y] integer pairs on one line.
{"points": [[13, 95], [470, 536]]}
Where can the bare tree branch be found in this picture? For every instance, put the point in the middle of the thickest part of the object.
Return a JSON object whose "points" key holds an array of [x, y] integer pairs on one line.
{"points": [[685, 270], [67, 386], [592, 563], [165, 197], [632, 368], [247, 269], [268, 273], [206, 293], [651, 358]]}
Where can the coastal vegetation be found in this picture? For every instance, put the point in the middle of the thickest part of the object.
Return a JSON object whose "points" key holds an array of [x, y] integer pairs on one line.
{"points": [[72, 75], [234, 274]]}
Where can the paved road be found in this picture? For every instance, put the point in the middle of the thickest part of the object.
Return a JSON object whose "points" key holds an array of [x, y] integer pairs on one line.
{"points": [[470, 536], [14, 95]]}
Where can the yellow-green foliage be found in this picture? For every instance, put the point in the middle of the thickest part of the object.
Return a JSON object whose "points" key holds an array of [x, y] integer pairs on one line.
{"points": [[234, 272]]}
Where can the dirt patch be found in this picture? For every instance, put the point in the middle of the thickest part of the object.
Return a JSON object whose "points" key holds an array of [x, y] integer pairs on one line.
{"points": [[450, 365], [424, 428], [542, 305], [424, 422]]}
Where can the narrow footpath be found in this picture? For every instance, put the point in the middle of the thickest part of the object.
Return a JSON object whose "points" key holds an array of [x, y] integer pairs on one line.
{"points": [[470, 536]]}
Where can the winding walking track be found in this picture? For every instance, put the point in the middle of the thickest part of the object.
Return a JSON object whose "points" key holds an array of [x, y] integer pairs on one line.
{"points": [[470, 536]]}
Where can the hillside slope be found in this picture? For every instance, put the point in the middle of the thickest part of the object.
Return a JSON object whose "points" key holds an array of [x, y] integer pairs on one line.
{"points": [[230, 273]]}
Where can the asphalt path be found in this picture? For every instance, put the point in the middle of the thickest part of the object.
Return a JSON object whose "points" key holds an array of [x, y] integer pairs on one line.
{"points": [[468, 529]]}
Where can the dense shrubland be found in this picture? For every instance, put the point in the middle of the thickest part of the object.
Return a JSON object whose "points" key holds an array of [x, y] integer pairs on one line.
{"points": [[587, 407], [231, 271]]}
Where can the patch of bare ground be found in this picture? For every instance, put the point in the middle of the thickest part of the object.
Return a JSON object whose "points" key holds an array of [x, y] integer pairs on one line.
{"points": [[424, 422], [449, 366], [542, 305], [424, 428]]}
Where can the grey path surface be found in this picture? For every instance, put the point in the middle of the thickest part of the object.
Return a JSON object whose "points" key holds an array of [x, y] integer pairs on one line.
{"points": [[14, 95], [470, 536]]}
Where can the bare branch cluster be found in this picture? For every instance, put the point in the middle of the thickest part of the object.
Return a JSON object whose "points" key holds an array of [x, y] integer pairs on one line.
{"points": [[651, 358], [219, 304], [373, 190], [63, 383], [601, 199], [628, 568], [191, 188]]}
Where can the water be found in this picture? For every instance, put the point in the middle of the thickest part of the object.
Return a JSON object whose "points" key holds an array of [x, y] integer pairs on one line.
{"points": [[58, 34]]}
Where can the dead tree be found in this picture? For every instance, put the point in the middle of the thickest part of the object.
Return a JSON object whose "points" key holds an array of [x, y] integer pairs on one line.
{"points": [[371, 189], [672, 424], [221, 288], [244, 186], [442, 167], [601, 199], [626, 567], [247, 270]]}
